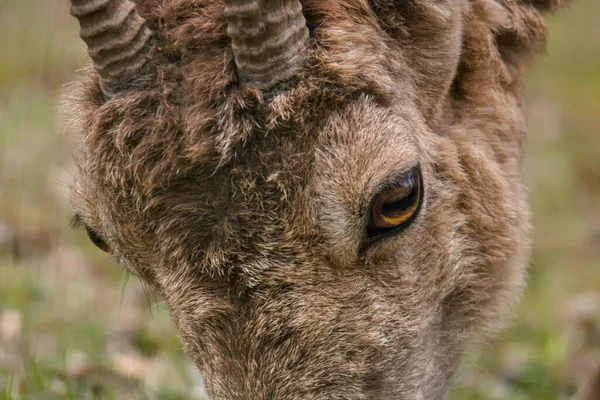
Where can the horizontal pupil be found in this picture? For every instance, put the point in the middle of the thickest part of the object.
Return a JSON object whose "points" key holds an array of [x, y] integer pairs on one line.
{"points": [[393, 210], [398, 207]]}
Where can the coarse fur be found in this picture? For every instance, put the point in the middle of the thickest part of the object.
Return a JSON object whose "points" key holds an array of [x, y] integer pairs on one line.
{"points": [[246, 210]]}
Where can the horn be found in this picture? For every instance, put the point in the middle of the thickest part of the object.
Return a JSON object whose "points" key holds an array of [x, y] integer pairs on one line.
{"points": [[267, 38], [119, 41]]}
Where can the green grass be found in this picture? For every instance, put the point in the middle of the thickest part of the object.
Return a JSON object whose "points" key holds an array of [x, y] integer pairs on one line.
{"points": [[80, 335]]}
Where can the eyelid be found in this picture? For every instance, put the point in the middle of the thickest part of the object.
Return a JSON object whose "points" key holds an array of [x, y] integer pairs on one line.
{"points": [[398, 194], [391, 183], [97, 240], [95, 237]]}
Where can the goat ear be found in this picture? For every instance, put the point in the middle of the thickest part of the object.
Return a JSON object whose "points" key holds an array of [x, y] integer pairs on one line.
{"points": [[549, 5], [521, 32]]}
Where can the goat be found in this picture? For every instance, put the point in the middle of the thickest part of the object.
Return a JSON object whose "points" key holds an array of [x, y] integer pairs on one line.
{"points": [[327, 194]]}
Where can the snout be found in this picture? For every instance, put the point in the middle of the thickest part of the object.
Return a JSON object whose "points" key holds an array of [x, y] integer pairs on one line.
{"points": [[314, 341]]}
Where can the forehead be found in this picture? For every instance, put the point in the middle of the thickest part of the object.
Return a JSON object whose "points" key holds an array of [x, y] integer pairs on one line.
{"points": [[346, 156], [290, 181], [362, 141]]}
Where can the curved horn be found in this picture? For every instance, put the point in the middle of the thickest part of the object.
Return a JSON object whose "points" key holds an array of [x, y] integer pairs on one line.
{"points": [[268, 38], [118, 39]]}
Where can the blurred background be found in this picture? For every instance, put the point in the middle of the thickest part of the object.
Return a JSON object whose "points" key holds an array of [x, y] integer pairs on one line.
{"points": [[73, 326]]}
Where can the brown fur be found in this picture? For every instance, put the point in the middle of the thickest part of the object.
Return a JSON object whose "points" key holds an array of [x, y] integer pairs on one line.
{"points": [[245, 210]]}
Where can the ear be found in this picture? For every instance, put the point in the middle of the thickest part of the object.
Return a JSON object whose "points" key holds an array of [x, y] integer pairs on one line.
{"points": [[522, 32], [548, 5]]}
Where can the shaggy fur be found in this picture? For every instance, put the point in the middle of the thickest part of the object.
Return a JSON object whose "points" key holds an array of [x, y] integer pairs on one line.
{"points": [[246, 210]]}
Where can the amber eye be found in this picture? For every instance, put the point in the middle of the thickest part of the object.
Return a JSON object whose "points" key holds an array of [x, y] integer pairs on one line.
{"points": [[97, 240], [396, 205]]}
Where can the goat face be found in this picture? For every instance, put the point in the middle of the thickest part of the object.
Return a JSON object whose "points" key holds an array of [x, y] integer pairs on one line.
{"points": [[335, 222]]}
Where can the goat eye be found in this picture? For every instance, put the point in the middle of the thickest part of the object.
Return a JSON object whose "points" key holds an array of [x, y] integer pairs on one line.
{"points": [[395, 206], [97, 240]]}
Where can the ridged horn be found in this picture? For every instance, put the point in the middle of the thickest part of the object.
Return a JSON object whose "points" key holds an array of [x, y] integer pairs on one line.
{"points": [[268, 38], [119, 41]]}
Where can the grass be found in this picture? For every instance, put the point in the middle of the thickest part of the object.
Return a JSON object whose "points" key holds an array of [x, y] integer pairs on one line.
{"points": [[68, 330]]}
